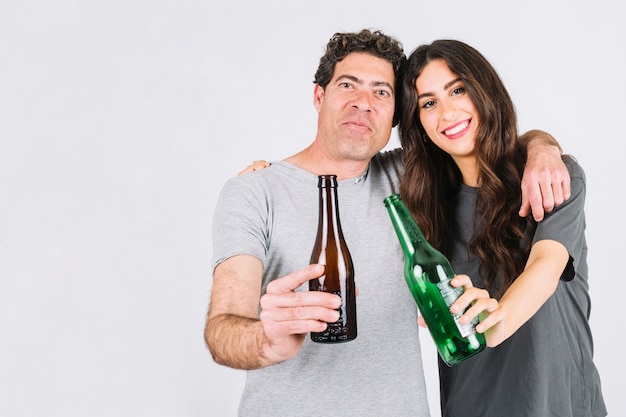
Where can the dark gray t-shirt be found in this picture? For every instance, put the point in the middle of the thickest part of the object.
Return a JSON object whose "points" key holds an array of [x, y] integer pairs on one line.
{"points": [[272, 214], [546, 368]]}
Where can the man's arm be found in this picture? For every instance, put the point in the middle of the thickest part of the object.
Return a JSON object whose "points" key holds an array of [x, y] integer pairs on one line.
{"points": [[254, 166], [546, 181], [234, 333]]}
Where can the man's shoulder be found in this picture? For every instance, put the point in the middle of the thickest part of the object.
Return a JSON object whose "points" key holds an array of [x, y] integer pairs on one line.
{"points": [[391, 155], [389, 160], [279, 179]]}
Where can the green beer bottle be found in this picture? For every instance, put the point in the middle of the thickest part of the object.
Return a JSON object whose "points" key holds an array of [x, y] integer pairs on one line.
{"points": [[428, 273], [331, 250]]}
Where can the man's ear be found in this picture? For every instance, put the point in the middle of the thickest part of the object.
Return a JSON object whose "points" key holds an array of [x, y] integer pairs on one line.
{"points": [[318, 96]]}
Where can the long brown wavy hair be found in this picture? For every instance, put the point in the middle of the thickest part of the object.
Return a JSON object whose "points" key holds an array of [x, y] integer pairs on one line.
{"points": [[432, 179]]}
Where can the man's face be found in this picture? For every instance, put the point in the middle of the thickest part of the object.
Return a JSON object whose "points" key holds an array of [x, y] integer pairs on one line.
{"points": [[356, 108]]}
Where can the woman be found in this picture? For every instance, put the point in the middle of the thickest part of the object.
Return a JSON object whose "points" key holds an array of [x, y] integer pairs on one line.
{"points": [[528, 281]]}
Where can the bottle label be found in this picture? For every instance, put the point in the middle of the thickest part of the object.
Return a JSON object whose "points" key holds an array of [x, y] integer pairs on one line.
{"points": [[337, 331], [450, 294]]}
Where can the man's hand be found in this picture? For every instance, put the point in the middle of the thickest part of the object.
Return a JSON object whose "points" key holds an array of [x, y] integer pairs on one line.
{"points": [[546, 181], [254, 166], [235, 334], [288, 315]]}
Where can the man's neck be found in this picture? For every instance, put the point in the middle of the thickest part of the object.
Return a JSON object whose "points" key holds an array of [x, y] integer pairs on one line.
{"points": [[318, 164]]}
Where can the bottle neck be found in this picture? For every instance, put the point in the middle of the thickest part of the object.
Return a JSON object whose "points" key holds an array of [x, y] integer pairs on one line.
{"points": [[410, 236], [329, 226], [327, 185], [327, 181]]}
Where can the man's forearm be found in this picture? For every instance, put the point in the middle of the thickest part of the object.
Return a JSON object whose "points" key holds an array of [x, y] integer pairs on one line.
{"points": [[237, 342], [538, 137], [545, 182]]}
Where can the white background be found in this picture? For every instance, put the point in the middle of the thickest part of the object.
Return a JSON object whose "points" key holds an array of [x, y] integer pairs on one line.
{"points": [[121, 120]]}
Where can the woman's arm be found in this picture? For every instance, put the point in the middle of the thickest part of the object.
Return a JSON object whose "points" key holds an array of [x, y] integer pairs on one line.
{"points": [[522, 299]]}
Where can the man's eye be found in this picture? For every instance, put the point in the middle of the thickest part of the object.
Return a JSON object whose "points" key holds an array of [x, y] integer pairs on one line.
{"points": [[384, 93]]}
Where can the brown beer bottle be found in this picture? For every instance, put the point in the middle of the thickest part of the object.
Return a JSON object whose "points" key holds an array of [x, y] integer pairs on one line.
{"points": [[331, 250]]}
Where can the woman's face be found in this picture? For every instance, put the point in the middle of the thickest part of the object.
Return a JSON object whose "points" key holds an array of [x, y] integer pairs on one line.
{"points": [[447, 112]]}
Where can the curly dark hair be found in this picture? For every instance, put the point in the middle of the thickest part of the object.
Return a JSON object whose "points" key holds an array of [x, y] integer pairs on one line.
{"points": [[432, 179], [375, 43]]}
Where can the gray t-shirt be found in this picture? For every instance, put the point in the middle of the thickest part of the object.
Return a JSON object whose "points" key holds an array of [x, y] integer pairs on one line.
{"points": [[272, 214], [546, 368]]}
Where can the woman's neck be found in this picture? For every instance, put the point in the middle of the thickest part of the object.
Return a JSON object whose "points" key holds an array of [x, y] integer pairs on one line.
{"points": [[469, 169]]}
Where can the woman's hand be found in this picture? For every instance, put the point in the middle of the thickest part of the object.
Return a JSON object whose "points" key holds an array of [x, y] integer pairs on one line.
{"points": [[491, 314]]}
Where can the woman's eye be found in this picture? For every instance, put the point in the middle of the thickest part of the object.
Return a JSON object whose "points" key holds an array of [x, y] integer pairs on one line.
{"points": [[428, 104], [458, 90]]}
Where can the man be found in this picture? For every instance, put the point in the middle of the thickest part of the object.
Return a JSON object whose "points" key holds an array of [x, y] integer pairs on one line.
{"points": [[264, 229]]}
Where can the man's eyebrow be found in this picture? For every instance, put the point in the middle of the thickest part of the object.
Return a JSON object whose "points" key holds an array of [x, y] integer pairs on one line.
{"points": [[383, 84], [349, 77], [359, 81]]}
